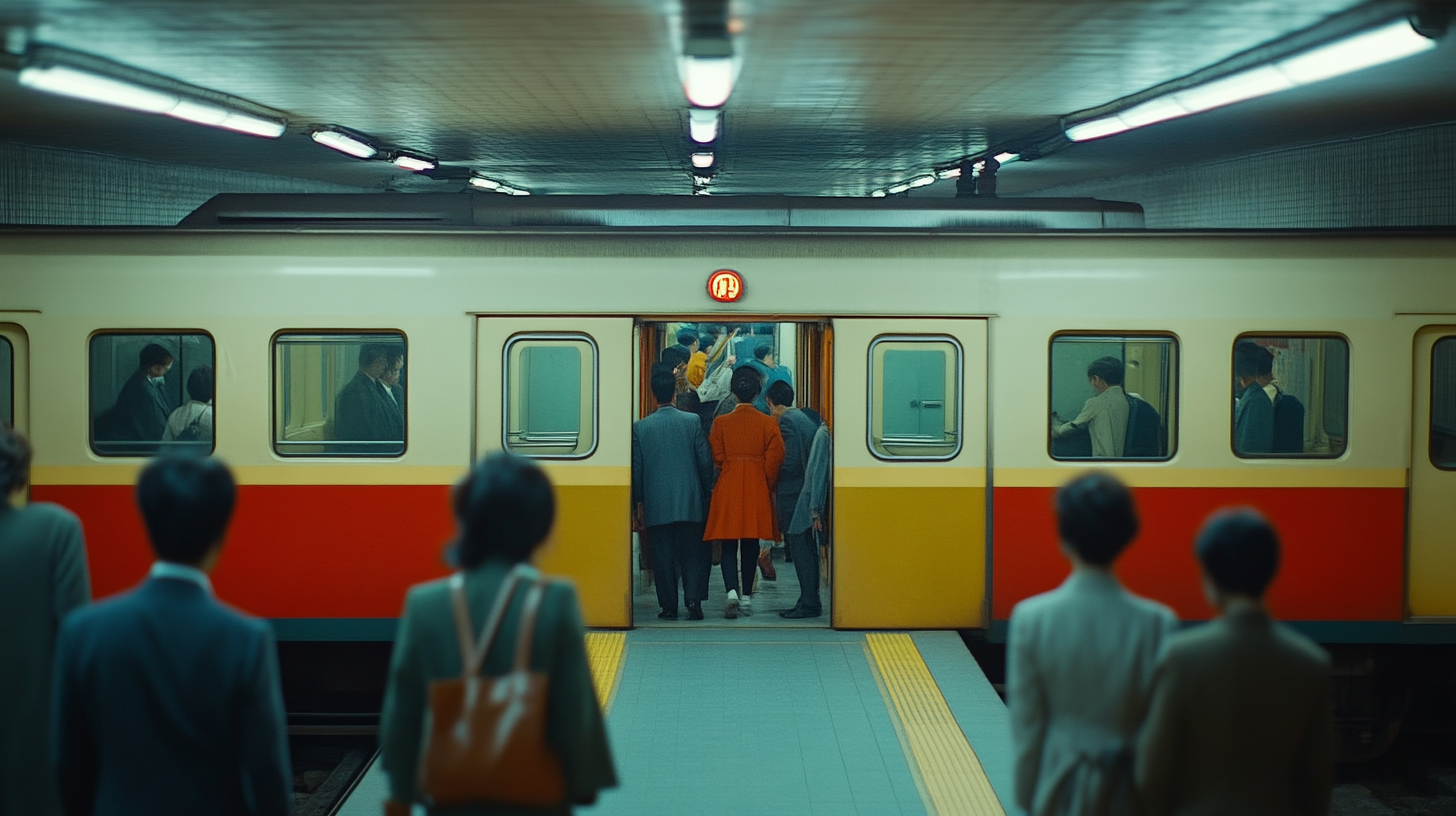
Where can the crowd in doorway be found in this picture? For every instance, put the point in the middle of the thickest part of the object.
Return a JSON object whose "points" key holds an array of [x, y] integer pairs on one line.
{"points": [[728, 463]]}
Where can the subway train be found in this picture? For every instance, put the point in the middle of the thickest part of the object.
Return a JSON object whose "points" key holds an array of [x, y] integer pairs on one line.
{"points": [[946, 343]]}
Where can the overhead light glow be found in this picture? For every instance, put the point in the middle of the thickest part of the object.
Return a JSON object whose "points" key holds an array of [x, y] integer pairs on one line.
{"points": [[79, 84], [1003, 158], [702, 181], [414, 162], [344, 143], [707, 81], [921, 181], [1386, 43], [898, 188], [484, 183], [878, 194], [702, 161], [517, 192], [703, 124], [949, 172]]}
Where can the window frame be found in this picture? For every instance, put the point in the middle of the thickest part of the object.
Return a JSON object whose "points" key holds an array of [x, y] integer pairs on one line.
{"points": [[274, 395], [1309, 335], [960, 376], [1430, 408], [91, 420], [1176, 381], [8, 420], [596, 365]]}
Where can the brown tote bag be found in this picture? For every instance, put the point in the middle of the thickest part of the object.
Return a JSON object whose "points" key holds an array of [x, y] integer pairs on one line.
{"points": [[487, 742]]}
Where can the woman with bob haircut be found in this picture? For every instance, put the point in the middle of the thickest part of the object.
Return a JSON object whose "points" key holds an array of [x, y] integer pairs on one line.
{"points": [[504, 508]]}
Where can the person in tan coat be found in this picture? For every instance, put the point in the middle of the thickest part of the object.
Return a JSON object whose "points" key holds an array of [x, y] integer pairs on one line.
{"points": [[1240, 718], [747, 450]]}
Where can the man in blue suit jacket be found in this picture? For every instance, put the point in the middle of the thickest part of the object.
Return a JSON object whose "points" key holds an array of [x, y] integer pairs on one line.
{"points": [[166, 701], [672, 478]]}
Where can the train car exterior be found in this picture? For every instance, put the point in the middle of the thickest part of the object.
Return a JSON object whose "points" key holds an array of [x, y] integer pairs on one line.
{"points": [[944, 537]]}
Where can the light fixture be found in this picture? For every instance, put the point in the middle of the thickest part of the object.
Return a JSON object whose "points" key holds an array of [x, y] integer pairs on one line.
{"points": [[703, 124], [78, 83], [520, 192], [707, 81], [702, 181], [1003, 158], [878, 194], [415, 162], [921, 181], [948, 172], [898, 188], [702, 161], [1385, 43], [344, 143], [701, 191], [484, 183]]}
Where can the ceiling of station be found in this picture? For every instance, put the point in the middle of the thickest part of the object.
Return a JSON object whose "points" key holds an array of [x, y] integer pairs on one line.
{"points": [[584, 97]]}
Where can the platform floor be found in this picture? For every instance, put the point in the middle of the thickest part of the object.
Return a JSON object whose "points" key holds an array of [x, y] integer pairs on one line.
{"points": [[768, 598], [769, 721]]}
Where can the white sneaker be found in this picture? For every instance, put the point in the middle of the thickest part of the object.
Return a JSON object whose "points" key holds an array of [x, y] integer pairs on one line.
{"points": [[745, 604], [730, 606]]}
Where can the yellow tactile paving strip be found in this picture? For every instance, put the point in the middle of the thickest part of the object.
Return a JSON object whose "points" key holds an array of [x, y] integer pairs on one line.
{"points": [[604, 652], [952, 779]]}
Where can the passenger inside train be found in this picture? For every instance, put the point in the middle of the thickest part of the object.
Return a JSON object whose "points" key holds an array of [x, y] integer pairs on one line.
{"points": [[1111, 397], [340, 395], [139, 383], [1289, 396]]}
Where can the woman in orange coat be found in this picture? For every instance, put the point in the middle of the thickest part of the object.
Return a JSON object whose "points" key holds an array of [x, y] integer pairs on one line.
{"points": [[748, 450]]}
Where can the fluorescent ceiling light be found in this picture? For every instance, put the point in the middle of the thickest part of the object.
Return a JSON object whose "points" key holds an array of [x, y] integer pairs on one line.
{"points": [[1386, 43], [701, 191], [949, 173], [703, 124], [878, 194], [484, 183], [414, 162], [516, 192], [898, 188], [921, 181], [344, 143], [702, 181], [79, 84], [707, 81], [1003, 158], [702, 161]]}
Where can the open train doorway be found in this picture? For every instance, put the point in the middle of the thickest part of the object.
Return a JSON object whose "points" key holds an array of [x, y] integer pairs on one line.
{"points": [[749, 582]]}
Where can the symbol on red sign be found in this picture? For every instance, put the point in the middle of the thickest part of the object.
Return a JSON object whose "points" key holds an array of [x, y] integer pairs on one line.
{"points": [[725, 286]]}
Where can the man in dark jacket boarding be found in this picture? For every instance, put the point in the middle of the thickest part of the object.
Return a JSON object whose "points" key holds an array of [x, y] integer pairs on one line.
{"points": [[167, 701]]}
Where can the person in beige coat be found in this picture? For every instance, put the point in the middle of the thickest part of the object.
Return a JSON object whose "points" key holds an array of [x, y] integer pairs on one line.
{"points": [[1080, 664], [1240, 719]]}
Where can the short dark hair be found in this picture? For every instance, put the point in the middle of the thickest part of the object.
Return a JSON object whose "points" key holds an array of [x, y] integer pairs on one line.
{"points": [[505, 507], [675, 355], [705, 341], [1239, 551], [370, 353], [1096, 517], [393, 353], [200, 384], [15, 456], [745, 384], [780, 393], [1108, 368], [762, 350], [186, 502], [687, 337], [153, 354], [1252, 359], [663, 382]]}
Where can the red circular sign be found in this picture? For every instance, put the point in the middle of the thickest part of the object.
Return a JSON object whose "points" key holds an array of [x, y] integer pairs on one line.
{"points": [[725, 286]]}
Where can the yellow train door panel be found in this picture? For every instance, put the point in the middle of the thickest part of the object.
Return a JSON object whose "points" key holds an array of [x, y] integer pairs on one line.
{"points": [[1431, 580], [559, 390], [909, 473]]}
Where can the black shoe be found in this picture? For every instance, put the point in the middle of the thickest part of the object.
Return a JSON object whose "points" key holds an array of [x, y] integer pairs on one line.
{"points": [[695, 612], [797, 614], [666, 615]]}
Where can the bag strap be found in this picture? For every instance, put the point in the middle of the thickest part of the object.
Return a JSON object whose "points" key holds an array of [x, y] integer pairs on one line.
{"points": [[527, 631], [472, 656]]}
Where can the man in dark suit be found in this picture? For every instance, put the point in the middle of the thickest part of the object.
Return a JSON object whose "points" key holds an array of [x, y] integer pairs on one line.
{"points": [[672, 477], [365, 410], [1254, 411], [798, 431], [141, 409], [167, 701], [1240, 715]]}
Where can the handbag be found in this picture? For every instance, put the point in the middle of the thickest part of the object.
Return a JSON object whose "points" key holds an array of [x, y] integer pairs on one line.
{"points": [[487, 741]]}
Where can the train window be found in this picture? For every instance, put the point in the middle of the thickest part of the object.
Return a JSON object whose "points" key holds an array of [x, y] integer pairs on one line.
{"points": [[551, 396], [7, 384], [151, 393], [1443, 403], [1290, 396], [915, 394], [1113, 397], [339, 394]]}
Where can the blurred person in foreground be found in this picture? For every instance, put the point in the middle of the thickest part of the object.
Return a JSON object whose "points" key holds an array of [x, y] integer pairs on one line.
{"points": [[505, 508], [1240, 719], [42, 578], [1080, 663], [167, 701]]}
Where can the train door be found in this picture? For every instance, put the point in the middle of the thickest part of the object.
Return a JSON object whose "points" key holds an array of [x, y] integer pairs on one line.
{"points": [[1432, 557], [909, 473], [559, 390]]}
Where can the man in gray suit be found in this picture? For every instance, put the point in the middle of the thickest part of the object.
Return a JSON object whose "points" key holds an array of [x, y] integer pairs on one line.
{"points": [[1240, 718], [1080, 664], [798, 431], [672, 478]]}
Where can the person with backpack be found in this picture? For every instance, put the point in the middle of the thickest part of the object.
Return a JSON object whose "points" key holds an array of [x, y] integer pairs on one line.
{"points": [[1288, 410], [1104, 416], [193, 421]]}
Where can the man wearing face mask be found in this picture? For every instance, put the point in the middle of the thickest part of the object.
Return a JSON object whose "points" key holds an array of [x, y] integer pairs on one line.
{"points": [[142, 407]]}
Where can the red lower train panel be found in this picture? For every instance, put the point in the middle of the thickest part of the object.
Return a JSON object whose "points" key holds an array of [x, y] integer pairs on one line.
{"points": [[1343, 549], [294, 551]]}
